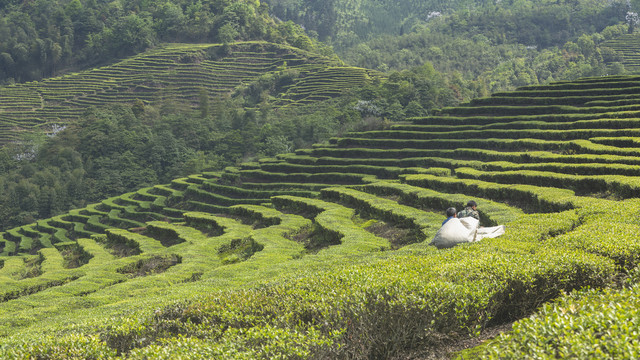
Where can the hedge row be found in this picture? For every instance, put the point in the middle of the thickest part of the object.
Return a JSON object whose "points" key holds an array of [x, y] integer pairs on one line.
{"points": [[590, 324], [381, 171], [243, 193], [527, 197], [597, 91], [549, 99], [422, 223], [604, 123], [198, 194], [472, 135], [451, 144], [491, 212], [620, 186], [526, 157], [533, 110], [328, 178], [347, 153], [571, 146], [442, 166], [566, 168]]}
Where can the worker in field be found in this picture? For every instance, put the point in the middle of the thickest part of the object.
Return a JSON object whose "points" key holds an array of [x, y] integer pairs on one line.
{"points": [[470, 210], [451, 213]]}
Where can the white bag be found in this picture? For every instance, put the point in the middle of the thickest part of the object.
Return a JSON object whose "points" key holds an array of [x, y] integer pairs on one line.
{"points": [[490, 232], [470, 223], [458, 231], [452, 233]]}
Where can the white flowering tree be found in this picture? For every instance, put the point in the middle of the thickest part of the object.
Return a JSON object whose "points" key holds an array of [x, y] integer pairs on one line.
{"points": [[633, 20]]}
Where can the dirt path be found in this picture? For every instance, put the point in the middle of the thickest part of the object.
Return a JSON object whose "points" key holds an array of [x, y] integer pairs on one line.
{"points": [[447, 350]]}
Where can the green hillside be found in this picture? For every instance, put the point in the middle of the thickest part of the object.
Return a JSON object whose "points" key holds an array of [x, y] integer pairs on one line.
{"points": [[47, 38], [347, 23], [484, 46], [627, 48], [175, 72], [323, 253]]}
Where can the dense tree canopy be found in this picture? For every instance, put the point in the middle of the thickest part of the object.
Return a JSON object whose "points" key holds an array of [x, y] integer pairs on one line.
{"points": [[346, 23], [42, 37], [493, 45]]}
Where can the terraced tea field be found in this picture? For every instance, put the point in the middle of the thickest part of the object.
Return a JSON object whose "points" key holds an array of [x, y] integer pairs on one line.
{"points": [[324, 253], [628, 46], [173, 71]]}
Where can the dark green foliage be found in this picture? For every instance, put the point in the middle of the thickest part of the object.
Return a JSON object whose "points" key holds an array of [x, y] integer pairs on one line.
{"points": [[482, 46], [348, 23], [41, 39], [238, 250]]}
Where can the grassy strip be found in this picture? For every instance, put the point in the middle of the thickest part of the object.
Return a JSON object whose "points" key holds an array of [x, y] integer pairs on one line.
{"points": [[620, 186], [491, 212], [336, 226], [424, 224], [527, 197]]}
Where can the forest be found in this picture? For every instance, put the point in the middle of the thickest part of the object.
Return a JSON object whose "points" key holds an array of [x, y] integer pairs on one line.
{"points": [[45, 38], [494, 45]]}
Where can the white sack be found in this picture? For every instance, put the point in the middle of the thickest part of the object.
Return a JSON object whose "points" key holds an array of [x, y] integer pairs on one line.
{"points": [[490, 232], [469, 222], [452, 233]]}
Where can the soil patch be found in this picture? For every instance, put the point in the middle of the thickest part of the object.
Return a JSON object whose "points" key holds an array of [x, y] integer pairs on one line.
{"points": [[153, 265], [36, 245], [166, 237], [238, 250], [74, 257], [32, 268], [448, 349], [314, 239], [120, 248], [397, 236]]}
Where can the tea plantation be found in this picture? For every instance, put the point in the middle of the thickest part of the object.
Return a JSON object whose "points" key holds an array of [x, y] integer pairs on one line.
{"points": [[177, 72], [626, 48], [323, 253]]}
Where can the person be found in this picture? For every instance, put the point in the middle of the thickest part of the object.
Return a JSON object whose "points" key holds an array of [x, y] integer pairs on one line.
{"points": [[451, 213], [470, 210]]}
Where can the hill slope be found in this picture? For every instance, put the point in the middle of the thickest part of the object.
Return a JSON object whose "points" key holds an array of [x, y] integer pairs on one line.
{"points": [[324, 252], [627, 48], [177, 72]]}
